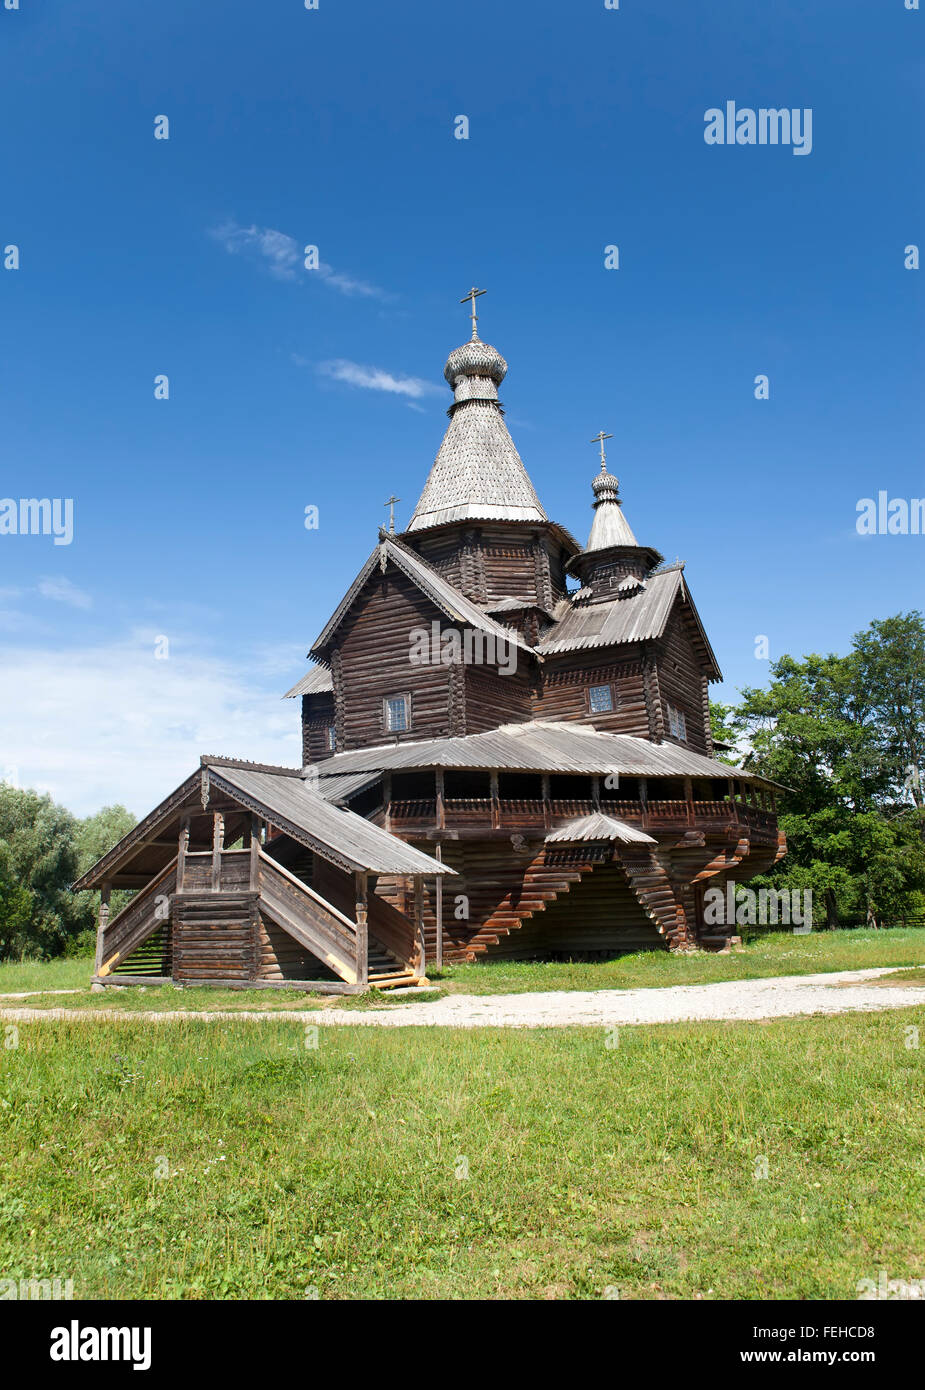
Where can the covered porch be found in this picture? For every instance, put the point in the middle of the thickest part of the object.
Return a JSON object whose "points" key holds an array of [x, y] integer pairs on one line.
{"points": [[247, 878]]}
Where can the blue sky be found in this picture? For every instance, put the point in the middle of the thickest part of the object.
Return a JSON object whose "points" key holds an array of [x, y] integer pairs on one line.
{"points": [[335, 128]]}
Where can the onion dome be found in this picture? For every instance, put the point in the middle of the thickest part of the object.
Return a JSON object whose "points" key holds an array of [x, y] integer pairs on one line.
{"points": [[475, 358]]}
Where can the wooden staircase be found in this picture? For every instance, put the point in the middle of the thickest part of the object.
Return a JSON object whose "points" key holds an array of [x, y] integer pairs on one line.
{"points": [[386, 970], [543, 883]]}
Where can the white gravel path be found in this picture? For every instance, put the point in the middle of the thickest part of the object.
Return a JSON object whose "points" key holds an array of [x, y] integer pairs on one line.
{"points": [[846, 991]]}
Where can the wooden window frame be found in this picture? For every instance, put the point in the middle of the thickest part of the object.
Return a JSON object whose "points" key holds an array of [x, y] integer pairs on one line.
{"points": [[602, 685], [401, 695], [680, 721]]}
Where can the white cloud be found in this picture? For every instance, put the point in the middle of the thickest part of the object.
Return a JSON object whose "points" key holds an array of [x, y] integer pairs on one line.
{"points": [[110, 723], [377, 379], [284, 258], [63, 591]]}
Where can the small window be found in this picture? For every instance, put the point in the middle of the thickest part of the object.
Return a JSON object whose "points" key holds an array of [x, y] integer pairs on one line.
{"points": [[600, 698], [331, 735], [677, 724], [397, 713]]}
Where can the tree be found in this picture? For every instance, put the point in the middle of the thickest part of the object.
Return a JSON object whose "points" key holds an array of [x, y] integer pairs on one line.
{"points": [[890, 675], [38, 843], [96, 836], [845, 738], [723, 731]]}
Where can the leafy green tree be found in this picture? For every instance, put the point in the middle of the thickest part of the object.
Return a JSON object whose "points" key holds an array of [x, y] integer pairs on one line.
{"points": [[15, 909], [38, 842], [845, 738], [723, 731], [96, 836]]}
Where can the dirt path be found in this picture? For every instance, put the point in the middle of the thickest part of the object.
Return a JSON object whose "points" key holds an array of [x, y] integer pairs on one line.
{"points": [[779, 997]]}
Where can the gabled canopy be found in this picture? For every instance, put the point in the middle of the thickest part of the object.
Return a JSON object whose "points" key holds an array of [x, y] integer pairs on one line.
{"points": [[280, 796], [640, 615]]}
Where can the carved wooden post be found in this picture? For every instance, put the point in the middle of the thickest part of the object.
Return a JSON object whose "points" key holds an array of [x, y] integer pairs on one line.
{"points": [[596, 793], [182, 849], [387, 799], [438, 900], [441, 810], [254, 847], [547, 809], [689, 798], [644, 801], [421, 964], [102, 924], [360, 886], [495, 806], [218, 840]]}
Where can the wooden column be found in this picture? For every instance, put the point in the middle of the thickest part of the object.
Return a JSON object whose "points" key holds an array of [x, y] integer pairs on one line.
{"points": [[182, 847], [360, 890], [218, 841], [644, 801], [596, 793], [102, 924], [441, 810], [689, 798], [421, 965], [253, 844], [547, 809], [438, 900], [387, 799], [495, 807]]}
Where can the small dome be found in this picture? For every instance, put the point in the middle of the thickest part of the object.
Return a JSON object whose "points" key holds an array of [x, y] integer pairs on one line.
{"points": [[606, 487], [475, 358]]}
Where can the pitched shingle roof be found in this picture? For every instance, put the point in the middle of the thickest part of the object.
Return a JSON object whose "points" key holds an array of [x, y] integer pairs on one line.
{"points": [[443, 594], [537, 746], [314, 682], [478, 474]]}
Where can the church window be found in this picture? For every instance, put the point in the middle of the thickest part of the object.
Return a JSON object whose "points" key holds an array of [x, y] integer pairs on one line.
{"points": [[677, 724], [397, 711], [331, 736], [600, 698]]}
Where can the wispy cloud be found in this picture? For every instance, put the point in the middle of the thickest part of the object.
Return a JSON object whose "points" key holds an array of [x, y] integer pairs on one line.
{"points": [[284, 258], [63, 591], [377, 379], [136, 725]]}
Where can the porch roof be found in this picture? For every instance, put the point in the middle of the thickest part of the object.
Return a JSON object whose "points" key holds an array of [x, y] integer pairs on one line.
{"points": [[282, 798]]}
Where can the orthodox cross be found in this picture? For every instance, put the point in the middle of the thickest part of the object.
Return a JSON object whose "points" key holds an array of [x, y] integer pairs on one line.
{"points": [[390, 503], [472, 296], [599, 439]]}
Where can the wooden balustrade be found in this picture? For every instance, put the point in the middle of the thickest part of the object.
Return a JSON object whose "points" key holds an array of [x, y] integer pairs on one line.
{"points": [[534, 811]]}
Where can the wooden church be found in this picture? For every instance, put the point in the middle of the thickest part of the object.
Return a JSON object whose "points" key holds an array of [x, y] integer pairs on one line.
{"points": [[506, 752]]}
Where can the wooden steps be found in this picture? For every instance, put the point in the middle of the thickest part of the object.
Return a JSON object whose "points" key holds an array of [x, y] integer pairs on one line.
{"points": [[385, 971]]}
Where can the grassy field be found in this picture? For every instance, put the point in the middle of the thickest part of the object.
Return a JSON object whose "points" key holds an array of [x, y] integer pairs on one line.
{"points": [[780, 953], [776, 953], [541, 1164], [45, 974]]}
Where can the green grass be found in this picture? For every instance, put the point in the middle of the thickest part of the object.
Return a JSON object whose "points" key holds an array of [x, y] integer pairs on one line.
{"points": [[334, 1169], [45, 974], [780, 953], [777, 953]]}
